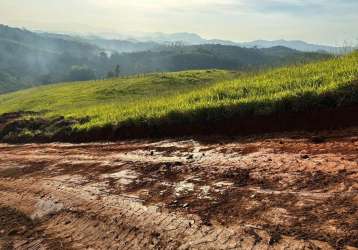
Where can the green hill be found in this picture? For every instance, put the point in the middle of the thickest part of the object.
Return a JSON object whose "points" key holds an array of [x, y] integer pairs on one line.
{"points": [[180, 99]]}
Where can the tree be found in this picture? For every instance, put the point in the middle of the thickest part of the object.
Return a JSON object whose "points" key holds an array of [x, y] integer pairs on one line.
{"points": [[110, 74], [103, 57], [81, 73], [117, 71]]}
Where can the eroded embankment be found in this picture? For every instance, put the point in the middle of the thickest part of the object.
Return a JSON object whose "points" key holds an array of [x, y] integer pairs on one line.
{"points": [[19, 128], [285, 191]]}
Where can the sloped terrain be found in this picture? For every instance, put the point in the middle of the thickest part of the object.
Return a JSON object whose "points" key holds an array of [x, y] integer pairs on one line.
{"points": [[188, 102], [279, 191]]}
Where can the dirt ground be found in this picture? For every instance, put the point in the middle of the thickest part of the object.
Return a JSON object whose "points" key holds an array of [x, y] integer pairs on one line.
{"points": [[281, 191]]}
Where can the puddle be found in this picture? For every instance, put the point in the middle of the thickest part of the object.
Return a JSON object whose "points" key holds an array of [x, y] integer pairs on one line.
{"points": [[204, 194], [223, 184], [46, 207], [183, 187], [124, 177]]}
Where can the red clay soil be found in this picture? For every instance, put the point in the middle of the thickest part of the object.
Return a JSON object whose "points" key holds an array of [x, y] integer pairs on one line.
{"points": [[280, 191]]}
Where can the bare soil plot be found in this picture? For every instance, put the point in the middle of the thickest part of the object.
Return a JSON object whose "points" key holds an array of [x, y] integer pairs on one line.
{"points": [[281, 191]]}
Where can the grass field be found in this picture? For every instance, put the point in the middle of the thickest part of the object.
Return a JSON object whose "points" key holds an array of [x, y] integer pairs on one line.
{"points": [[88, 98], [190, 97]]}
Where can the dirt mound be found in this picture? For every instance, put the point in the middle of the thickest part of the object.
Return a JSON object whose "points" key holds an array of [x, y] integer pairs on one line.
{"points": [[24, 127], [282, 191]]}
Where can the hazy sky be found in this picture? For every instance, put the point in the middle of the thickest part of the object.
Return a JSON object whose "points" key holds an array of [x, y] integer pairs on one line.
{"points": [[323, 21]]}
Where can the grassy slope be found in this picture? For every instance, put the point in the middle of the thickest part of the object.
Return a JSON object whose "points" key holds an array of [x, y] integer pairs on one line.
{"points": [[128, 101], [91, 97]]}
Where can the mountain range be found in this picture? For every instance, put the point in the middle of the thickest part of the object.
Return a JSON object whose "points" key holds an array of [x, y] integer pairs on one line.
{"points": [[126, 43]]}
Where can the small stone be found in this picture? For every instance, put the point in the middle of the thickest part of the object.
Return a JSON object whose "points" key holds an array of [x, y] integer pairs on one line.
{"points": [[12, 232], [305, 157]]}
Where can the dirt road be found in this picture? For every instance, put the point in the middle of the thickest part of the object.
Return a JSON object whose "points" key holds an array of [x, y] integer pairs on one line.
{"points": [[284, 191]]}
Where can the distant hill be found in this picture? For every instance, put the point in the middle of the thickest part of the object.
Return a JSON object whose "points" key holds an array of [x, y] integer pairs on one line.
{"points": [[211, 56], [157, 40], [29, 59], [297, 45], [194, 39], [123, 46], [186, 38]]}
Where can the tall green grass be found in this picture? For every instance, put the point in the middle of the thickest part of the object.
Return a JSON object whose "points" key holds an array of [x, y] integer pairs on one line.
{"points": [[189, 97]]}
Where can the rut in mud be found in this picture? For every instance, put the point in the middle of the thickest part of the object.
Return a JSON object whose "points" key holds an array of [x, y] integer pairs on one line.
{"points": [[284, 191]]}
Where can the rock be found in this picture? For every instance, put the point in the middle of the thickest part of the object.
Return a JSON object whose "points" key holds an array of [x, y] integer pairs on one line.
{"points": [[305, 157], [275, 237], [12, 232]]}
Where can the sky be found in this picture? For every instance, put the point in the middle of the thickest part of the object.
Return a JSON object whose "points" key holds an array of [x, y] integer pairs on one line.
{"points": [[332, 22]]}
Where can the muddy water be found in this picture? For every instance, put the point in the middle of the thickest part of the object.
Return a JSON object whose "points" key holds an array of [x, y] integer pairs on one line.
{"points": [[282, 191]]}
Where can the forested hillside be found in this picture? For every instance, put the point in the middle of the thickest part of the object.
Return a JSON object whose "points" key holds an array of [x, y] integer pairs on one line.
{"points": [[29, 59]]}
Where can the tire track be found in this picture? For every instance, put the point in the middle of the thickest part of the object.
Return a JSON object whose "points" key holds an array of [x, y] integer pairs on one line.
{"points": [[256, 194]]}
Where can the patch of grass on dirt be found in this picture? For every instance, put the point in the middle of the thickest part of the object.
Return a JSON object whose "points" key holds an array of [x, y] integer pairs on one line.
{"points": [[194, 97]]}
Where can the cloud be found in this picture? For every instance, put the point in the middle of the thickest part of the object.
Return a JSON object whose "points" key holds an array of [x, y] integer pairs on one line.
{"points": [[312, 20], [285, 7], [290, 7]]}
